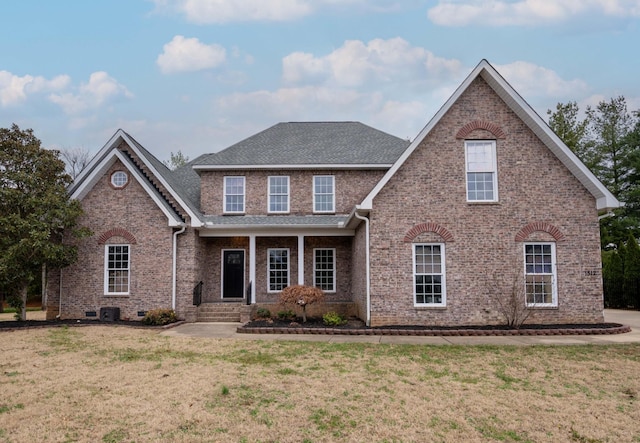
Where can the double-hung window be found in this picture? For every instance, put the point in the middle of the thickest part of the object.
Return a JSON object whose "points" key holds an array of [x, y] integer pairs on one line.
{"points": [[324, 193], [234, 191], [429, 288], [540, 274], [278, 269], [482, 171], [279, 194], [116, 269], [324, 269]]}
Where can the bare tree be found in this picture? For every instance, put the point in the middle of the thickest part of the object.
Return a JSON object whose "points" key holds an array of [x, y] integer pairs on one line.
{"points": [[176, 160], [75, 160], [508, 292]]}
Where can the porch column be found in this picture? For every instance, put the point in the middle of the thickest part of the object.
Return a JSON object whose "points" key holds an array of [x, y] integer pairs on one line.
{"points": [[252, 266], [301, 259]]}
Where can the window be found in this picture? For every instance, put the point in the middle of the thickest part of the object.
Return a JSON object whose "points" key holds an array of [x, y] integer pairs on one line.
{"points": [[234, 194], [279, 194], [482, 180], [324, 269], [116, 270], [323, 193], [119, 179], [278, 269], [540, 274], [429, 275]]}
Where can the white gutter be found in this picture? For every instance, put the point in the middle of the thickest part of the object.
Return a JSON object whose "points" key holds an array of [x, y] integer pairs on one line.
{"points": [[368, 271], [175, 265]]}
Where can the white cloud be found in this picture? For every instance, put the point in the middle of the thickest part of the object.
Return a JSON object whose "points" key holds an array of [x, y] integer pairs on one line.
{"points": [[378, 61], [100, 89], [15, 89], [526, 12], [189, 54], [531, 80], [223, 11]]}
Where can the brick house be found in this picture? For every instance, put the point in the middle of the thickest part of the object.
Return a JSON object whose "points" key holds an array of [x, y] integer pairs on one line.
{"points": [[394, 232]]}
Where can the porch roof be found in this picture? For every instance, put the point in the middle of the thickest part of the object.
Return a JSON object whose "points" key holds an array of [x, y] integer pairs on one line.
{"points": [[276, 221]]}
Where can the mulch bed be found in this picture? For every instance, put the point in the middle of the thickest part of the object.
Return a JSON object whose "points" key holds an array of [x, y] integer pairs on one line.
{"points": [[357, 327], [12, 324]]}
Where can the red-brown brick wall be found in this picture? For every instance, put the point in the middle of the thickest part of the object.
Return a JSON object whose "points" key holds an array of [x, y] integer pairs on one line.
{"points": [[533, 187]]}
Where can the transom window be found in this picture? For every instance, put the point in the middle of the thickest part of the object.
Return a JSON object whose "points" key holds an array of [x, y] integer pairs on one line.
{"points": [[119, 179], [429, 274], [116, 269], [324, 269], [234, 194], [278, 269], [279, 194], [482, 181], [540, 274], [324, 193]]}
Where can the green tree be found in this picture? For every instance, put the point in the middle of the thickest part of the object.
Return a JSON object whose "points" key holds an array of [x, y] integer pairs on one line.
{"points": [[176, 160], [631, 287], [35, 212], [613, 278], [565, 122]]}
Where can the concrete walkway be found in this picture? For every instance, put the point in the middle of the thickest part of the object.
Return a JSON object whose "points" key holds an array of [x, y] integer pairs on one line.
{"points": [[228, 330]]}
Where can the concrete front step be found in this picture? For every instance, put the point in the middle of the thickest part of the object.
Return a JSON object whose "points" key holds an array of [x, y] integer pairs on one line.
{"points": [[219, 312]]}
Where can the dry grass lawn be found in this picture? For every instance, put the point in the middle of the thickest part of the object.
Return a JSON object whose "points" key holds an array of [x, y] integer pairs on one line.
{"points": [[118, 384]]}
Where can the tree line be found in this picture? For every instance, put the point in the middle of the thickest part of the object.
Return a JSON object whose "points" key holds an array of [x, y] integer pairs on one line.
{"points": [[606, 138]]}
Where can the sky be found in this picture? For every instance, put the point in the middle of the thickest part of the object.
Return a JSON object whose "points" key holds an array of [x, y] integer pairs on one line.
{"points": [[197, 76]]}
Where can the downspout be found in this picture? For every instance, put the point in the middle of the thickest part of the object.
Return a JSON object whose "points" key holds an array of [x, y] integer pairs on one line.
{"points": [[368, 271], [60, 288], [175, 265]]}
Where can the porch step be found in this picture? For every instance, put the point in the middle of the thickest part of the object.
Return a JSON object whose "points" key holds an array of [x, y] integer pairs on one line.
{"points": [[219, 312]]}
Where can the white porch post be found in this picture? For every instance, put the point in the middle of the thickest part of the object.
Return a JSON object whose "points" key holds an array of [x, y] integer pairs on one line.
{"points": [[252, 266], [301, 259]]}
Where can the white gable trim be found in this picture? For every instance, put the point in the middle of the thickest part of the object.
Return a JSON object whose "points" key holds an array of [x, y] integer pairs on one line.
{"points": [[604, 199], [96, 173], [291, 166]]}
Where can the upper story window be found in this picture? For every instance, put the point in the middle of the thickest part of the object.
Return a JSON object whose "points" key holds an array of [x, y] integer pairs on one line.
{"points": [[540, 274], [324, 197], [116, 269], [234, 191], [279, 194], [429, 275], [482, 171], [119, 179]]}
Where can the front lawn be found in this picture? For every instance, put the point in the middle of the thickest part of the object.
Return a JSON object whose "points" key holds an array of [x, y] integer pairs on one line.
{"points": [[119, 384]]}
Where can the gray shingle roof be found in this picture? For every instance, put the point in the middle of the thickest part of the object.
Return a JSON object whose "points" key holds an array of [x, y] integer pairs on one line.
{"points": [[311, 143]]}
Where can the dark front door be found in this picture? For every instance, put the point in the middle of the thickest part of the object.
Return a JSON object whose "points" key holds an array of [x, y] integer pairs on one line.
{"points": [[233, 274]]}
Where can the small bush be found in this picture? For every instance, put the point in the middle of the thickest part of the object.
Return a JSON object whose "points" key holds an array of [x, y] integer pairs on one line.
{"points": [[286, 315], [159, 317], [299, 295], [333, 319], [263, 313]]}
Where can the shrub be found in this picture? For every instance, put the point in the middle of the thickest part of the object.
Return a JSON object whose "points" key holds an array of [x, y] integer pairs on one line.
{"points": [[159, 317], [299, 295], [263, 313], [286, 315], [333, 319]]}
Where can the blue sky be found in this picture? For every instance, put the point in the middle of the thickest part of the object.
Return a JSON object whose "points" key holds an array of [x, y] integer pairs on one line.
{"points": [[200, 75]]}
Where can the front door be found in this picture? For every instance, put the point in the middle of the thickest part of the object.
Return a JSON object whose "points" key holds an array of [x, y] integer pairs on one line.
{"points": [[233, 273]]}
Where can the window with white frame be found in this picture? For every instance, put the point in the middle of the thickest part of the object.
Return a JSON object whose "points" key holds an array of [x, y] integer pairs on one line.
{"points": [[324, 193], [540, 274], [279, 194], [429, 274], [234, 191], [324, 269], [116, 269], [278, 269], [482, 174]]}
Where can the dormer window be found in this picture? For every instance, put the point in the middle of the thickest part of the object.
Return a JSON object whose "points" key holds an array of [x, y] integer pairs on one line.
{"points": [[119, 179]]}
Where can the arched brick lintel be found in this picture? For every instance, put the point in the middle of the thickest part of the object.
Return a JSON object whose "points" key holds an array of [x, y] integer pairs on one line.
{"points": [[540, 226], [116, 232], [480, 124], [428, 227]]}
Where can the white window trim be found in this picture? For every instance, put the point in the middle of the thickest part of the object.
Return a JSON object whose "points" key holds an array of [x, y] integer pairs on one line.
{"points": [[333, 201], [494, 171], [224, 195], [443, 274], [333, 270], [273, 291], [106, 269], [554, 276], [119, 175], [269, 195]]}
